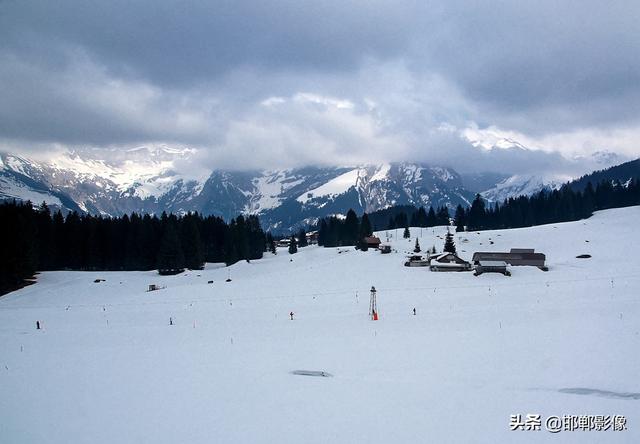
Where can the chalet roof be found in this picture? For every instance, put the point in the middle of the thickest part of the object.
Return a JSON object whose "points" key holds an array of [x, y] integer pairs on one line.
{"points": [[372, 240]]}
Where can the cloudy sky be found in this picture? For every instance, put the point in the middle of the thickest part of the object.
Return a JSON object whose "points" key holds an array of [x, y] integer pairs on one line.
{"points": [[286, 83]]}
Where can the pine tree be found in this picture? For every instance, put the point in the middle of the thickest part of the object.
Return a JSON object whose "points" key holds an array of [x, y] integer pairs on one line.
{"points": [[406, 234], [459, 218], [293, 246], [323, 232], [477, 214], [365, 227], [192, 243], [432, 220], [271, 244], [302, 238], [170, 254], [416, 249], [449, 245], [351, 228]]}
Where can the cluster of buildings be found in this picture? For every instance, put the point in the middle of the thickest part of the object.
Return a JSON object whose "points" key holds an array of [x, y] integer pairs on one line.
{"points": [[312, 239], [482, 261]]}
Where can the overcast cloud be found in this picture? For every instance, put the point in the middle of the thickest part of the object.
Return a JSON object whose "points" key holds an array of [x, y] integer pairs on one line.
{"points": [[289, 83]]}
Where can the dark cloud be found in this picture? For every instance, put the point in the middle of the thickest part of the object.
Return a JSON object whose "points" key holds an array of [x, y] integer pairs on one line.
{"points": [[289, 82]]}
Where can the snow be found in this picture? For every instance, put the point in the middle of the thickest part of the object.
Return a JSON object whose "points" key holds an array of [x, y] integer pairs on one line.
{"points": [[338, 185], [13, 189], [382, 173], [523, 185], [270, 190], [107, 367]]}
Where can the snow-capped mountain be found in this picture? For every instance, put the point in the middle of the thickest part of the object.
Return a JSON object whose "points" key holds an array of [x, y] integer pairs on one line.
{"points": [[519, 185], [150, 180], [147, 180]]}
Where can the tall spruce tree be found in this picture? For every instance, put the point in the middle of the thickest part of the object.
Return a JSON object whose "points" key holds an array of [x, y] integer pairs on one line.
{"points": [[351, 228], [449, 244], [365, 227], [293, 245], [302, 238], [170, 254], [459, 218]]}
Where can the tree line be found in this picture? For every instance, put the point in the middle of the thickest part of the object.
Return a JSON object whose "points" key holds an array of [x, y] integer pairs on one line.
{"points": [[563, 205], [37, 240]]}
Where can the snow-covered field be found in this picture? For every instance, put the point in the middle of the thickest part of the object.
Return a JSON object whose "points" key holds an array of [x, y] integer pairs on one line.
{"points": [[108, 368]]}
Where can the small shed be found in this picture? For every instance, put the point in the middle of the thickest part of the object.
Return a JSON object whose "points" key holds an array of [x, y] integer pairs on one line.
{"points": [[385, 248], [312, 237], [416, 261], [492, 267], [448, 262], [372, 241]]}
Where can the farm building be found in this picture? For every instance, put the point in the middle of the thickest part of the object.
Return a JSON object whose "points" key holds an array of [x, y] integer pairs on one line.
{"points": [[516, 257], [416, 261], [492, 267], [372, 241], [312, 237], [448, 262]]}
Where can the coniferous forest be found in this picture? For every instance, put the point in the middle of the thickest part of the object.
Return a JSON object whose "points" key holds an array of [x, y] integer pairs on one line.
{"points": [[34, 239], [563, 205]]}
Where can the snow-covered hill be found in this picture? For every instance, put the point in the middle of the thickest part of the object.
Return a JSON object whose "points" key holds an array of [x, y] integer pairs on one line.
{"points": [[107, 366], [523, 185]]}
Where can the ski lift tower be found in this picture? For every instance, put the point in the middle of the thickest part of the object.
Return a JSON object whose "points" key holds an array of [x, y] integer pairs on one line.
{"points": [[373, 306]]}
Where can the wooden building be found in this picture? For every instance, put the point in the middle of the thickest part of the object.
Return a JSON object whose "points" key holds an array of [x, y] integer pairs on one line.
{"points": [[372, 241], [492, 267], [416, 260], [448, 262], [515, 257]]}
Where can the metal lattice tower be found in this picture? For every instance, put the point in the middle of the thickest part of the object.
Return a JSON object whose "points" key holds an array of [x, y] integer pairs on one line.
{"points": [[373, 306]]}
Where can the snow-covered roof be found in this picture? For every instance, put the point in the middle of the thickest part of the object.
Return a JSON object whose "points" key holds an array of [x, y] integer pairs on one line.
{"points": [[449, 264], [493, 264]]}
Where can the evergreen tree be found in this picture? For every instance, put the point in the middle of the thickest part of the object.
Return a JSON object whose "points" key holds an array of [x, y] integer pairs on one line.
{"points": [[432, 220], [459, 218], [323, 230], [406, 234], [302, 238], [443, 216], [271, 244], [477, 213], [391, 225], [293, 246], [449, 244], [170, 254], [365, 227], [421, 217], [351, 228], [416, 249], [192, 243]]}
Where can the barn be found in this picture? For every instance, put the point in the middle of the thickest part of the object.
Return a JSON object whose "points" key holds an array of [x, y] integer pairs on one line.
{"points": [[515, 257], [448, 262]]}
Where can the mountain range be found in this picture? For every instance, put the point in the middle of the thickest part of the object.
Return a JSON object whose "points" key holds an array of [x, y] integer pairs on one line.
{"points": [[147, 180]]}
